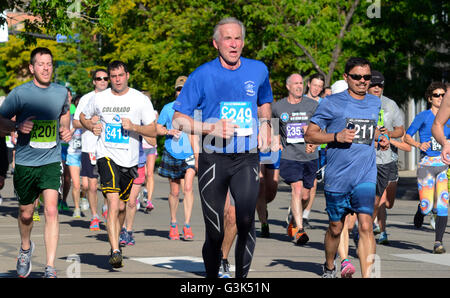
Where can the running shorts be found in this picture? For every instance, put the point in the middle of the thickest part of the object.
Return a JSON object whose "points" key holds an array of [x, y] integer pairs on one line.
{"points": [[293, 171], [29, 182], [87, 168], [74, 160], [173, 168], [386, 173], [360, 200], [115, 179]]}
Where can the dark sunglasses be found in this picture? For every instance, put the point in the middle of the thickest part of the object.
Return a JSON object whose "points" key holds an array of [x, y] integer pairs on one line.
{"points": [[438, 94], [98, 79], [357, 77], [375, 85], [178, 89]]}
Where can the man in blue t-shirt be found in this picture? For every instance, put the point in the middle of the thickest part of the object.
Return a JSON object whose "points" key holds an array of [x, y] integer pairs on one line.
{"points": [[42, 122], [347, 122], [234, 94]]}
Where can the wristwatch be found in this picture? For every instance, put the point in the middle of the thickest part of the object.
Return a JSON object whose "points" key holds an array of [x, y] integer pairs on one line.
{"points": [[265, 120]]}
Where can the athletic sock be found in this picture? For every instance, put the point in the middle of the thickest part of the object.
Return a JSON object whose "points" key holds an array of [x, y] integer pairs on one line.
{"points": [[441, 224]]}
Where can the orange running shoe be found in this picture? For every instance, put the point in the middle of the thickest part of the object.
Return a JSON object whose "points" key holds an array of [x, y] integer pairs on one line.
{"points": [[173, 233], [187, 233], [95, 224], [301, 238], [291, 231]]}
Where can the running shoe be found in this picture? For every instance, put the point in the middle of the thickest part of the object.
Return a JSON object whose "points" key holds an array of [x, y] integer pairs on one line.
{"points": [[291, 231], [173, 233], [265, 232], [23, 266], [36, 216], [131, 240], [50, 272], [123, 237], [418, 218], [95, 224], [347, 269], [76, 213], [306, 224], [327, 273], [187, 233], [116, 259], [301, 238], [438, 248], [224, 269], [433, 221], [149, 207], [383, 239]]}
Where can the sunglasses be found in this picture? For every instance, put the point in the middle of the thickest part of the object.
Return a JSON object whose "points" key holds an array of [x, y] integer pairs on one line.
{"points": [[438, 94], [98, 79], [357, 77], [376, 85]]}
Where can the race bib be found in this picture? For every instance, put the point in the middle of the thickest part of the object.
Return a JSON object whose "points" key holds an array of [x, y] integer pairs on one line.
{"points": [[295, 133], [240, 113], [116, 136], [75, 142], [365, 130], [43, 134], [435, 146]]}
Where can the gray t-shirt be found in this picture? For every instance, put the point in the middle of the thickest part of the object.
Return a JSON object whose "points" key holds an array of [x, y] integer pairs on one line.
{"points": [[393, 117], [42, 146], [293, 118]]}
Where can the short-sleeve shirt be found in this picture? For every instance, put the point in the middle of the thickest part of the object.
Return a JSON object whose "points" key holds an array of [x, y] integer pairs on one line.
{"points": [[115, 142], [349, 164], [231, 94], [293, 118], [42, 146], [423, 123], [88, 139], [390, 117], [179, 148]]}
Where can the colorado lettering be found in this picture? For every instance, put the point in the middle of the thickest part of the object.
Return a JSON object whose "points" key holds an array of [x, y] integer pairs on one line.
{"points": [[116, 109]]}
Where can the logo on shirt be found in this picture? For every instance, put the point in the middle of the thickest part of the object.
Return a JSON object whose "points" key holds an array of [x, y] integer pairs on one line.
{"points": [[250, 88], [117, 118], [284, 117]]}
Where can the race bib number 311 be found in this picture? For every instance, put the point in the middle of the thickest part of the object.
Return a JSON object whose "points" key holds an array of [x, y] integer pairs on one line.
{"points": [[43, 134], [365, 130], [240, 113]]}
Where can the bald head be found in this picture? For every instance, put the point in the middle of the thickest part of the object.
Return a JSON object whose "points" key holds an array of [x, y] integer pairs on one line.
{"points": [[294, 84]]}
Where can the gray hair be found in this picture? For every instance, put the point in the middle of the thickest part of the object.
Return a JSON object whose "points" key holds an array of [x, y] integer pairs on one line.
{"points": [[229, 20], [288, 80]]}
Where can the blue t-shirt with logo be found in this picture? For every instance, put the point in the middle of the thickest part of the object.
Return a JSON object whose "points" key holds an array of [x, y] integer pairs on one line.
{"points": [[233, 94], [179, 148], [349, 164], [423, 123]]}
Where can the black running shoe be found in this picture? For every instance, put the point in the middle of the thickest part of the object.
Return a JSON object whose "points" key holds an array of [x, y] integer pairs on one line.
{"points": [[265, 233], [116, 259], [418, 218]]}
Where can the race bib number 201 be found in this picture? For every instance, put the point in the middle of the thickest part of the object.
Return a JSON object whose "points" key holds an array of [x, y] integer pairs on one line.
{"points": [[365, 130], [43, 134]]}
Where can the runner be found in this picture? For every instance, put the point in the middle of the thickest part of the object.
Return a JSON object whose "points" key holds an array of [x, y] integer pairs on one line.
{"points": [[232, 92], [178, 162], [432, 171], [124, 113], [346, 121], [299, 161], [390, 123], [89, 174], [42, 110]]}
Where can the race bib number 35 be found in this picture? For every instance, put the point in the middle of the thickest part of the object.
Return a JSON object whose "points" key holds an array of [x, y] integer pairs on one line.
{"points": [[295, 132], [43, 134], [365, 130], [240, 113], [116, 136]]}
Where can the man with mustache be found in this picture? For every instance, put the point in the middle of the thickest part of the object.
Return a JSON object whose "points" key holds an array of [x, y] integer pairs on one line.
{"points": [[347, 121]]}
